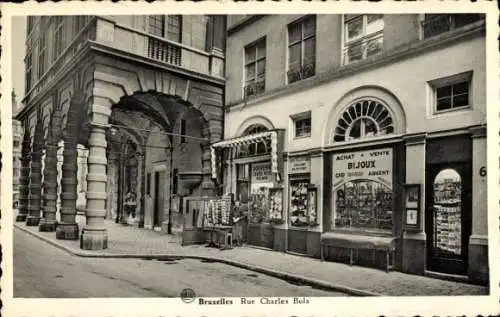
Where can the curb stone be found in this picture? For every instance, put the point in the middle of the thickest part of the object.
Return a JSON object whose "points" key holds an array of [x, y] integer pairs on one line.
{"points": [[255, 268]]}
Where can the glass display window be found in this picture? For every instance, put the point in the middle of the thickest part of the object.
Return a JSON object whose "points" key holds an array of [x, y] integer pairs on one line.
{"points": [[298, 202], [363, 205]]}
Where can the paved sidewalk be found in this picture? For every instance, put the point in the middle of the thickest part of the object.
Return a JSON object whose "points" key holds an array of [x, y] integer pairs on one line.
{"points": [[127, 241]]}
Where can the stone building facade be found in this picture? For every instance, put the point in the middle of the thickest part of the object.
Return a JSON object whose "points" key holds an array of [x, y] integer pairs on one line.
{"points": [[118, 107], [383, 156], [17, 134]]}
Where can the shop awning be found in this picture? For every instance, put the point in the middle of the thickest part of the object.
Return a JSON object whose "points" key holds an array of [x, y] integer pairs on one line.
{"points": [[247, 140]]}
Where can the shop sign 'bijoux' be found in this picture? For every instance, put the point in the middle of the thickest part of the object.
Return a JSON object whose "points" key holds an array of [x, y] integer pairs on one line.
{"points": [[375, 165]]}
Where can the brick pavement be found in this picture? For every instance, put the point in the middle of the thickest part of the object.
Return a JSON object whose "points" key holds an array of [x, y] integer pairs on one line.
{"points": [[131, 241]]}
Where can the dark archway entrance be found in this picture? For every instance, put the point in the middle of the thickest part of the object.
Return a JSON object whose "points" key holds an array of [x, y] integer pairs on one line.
{"points": [[153, 137]]}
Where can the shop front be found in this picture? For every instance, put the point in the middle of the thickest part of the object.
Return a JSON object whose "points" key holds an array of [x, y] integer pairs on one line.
{"points": [[302, 207], [253, 170], [363, 209]]}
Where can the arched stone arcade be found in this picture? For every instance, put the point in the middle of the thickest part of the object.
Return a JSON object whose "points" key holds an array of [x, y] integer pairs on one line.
{"points": [[149, 111]]}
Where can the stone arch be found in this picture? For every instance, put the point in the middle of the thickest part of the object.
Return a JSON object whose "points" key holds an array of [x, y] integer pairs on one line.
{"points": [[373, 93], [254, 121]]}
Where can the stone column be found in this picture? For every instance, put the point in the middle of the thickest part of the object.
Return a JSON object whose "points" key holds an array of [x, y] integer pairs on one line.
{"points": [[35, 187], [60, 159], [24, 178], [478, 242], [67, 229], [94, 235], [414, 243], [48, 222]]}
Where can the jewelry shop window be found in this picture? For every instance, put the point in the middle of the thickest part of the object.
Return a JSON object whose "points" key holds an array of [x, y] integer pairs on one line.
{"points": [[362, 191]]}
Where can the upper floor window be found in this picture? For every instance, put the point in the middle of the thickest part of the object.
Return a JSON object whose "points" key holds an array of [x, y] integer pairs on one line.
{"points": [[365, 118], [255, 68], [174, 26], [451, 93], [58, 36], [28, 71], [301, 49], [363, 36], [435, 24], [169, 27], [42, 49], [302, 124], [156, 25]]}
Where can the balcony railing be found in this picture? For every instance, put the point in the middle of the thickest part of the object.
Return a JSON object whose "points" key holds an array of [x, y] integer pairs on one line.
{"points": [[255, 88], [364, 48], [441, 23], [300, 73], [160, 49], [165, 52]]}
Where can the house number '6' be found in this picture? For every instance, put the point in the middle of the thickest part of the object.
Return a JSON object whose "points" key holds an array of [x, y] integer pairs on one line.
{"points": [[482, 171]]}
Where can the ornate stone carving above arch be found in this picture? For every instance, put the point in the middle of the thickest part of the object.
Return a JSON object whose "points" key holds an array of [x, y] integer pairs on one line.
{"points": [[254, 121], [372, 106]]}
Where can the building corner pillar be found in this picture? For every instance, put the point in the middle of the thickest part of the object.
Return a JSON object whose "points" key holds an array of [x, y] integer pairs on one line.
{"points": [[35, 187], [478, 241], [94, 234], [414, 243]]}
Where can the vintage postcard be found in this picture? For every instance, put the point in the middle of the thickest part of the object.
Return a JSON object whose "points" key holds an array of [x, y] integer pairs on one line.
{"points": [[250, 159]]}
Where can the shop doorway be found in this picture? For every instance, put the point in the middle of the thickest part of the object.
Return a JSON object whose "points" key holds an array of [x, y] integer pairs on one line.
{"points": [[448, 217], [159, 198]]}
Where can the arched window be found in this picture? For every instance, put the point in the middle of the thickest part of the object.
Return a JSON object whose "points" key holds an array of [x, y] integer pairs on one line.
{"points": [[363, 119], [259, 148]]}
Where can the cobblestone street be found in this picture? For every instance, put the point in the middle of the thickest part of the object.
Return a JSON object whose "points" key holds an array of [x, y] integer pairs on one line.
{"points": [[41, 270], [127, 241]]}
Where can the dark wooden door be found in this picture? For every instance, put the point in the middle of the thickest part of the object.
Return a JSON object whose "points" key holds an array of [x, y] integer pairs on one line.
{"points": [[448, 217]]}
